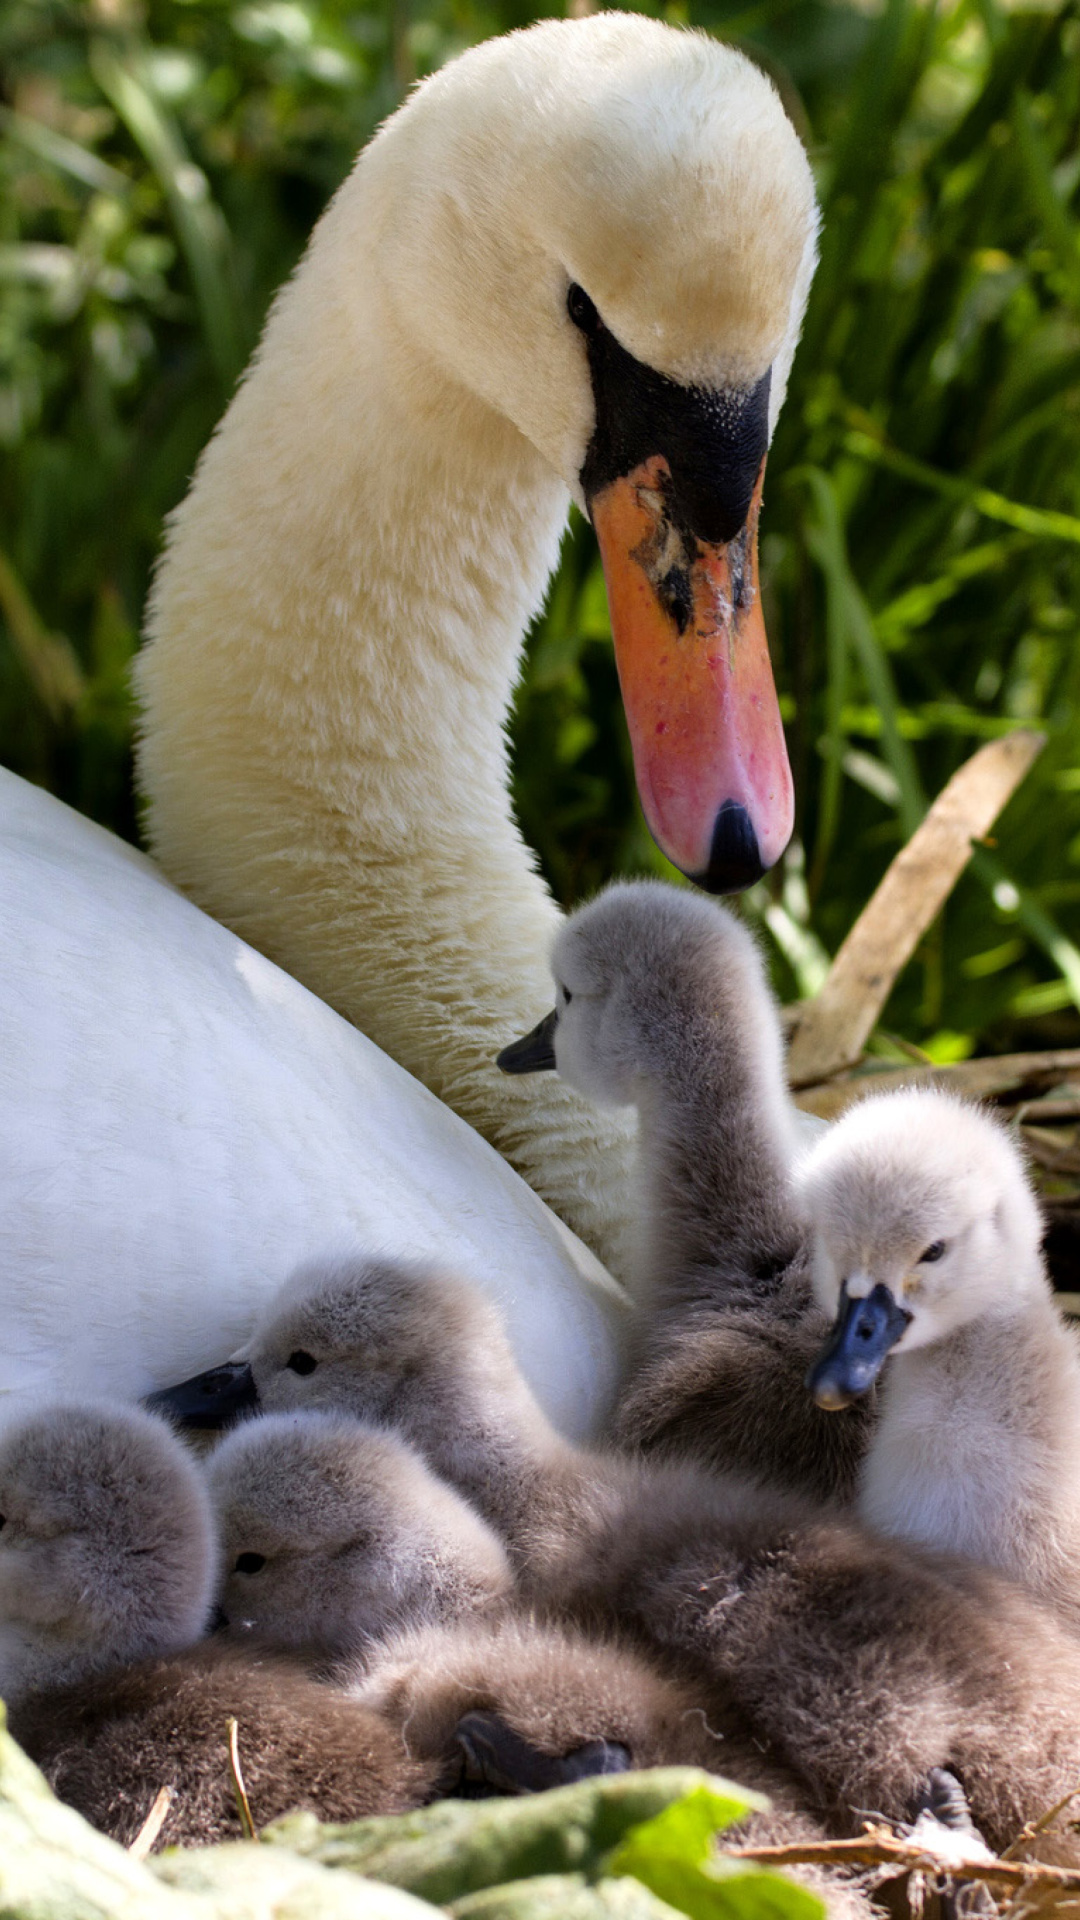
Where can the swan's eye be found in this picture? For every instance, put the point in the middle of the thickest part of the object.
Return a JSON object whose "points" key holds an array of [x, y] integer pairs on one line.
{"points": [[250, 1562], [932, 1253], [301, 1362], [581, 309]]}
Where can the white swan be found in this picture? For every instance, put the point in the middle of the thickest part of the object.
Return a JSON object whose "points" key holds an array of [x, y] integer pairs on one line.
{"points": [[574, 264], [334, 637]]}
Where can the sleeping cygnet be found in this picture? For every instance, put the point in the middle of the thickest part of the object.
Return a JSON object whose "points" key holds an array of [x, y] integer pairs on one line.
{"points": [[334, 1532], [528, 1705], [107, 1745], [927, 1252], [662, 1003], [107, 1548]]}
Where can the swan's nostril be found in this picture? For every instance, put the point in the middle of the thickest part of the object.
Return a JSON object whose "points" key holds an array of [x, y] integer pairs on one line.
{"points": [[734, 857]]}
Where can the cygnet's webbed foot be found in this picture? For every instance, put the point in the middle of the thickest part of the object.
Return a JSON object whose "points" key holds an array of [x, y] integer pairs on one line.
{"points": [[942, 1798], [943, 1824], [495, 1760]]}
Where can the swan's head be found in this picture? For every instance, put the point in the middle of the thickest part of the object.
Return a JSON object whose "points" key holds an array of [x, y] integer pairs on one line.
{"points": [[646, 976], [922, 1221], [107, 1546], [605, 229], [335, 1531]]}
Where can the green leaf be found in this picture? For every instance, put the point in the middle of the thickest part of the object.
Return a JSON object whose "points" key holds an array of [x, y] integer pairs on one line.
{"points": [[564, 1896], [673, 1856], [459, 1846]]}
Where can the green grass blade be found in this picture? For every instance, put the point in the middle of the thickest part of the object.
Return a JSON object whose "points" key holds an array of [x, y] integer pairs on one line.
{"points": [[200, 224], [1035, 920], [829, 548], [1061, 232], [1043, 522]]}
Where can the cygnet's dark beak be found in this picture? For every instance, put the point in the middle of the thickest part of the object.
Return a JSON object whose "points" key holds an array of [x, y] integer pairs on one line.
{"points": [[210, 1400], [857, 1348], [535, 1051]]}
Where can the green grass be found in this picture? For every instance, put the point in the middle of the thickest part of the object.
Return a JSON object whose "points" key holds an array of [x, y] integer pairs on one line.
{"points": [[160, 166]]}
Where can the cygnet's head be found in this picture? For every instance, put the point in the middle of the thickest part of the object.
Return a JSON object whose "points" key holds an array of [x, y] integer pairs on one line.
{"points": [[398, 1342], [645, 976], [334, 1531], [922, 1220], [107, 1545]]}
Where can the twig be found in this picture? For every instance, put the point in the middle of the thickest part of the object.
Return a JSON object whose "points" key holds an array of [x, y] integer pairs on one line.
{"points": [[878, 1848], [996, 1077], [1038, 1826], [144, 1840], [243, 1805]]}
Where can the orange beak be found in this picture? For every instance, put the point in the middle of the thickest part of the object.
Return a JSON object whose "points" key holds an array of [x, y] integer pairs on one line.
{"points": [[709, 752]]}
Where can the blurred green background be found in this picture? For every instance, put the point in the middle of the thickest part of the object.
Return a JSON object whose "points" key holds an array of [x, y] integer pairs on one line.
{"points": [[162, 163]]}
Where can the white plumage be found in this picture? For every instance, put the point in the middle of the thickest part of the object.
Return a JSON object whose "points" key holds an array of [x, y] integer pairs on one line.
{"points": [[332, 645], [184, 1123]]}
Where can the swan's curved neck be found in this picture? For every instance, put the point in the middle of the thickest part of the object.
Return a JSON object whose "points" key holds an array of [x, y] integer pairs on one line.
{"points": [[334, 636]]}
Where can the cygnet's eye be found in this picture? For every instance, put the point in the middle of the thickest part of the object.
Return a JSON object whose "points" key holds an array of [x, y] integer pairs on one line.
{"points": [[249, 1562], [300, 1362], [581, 309], [3, 1522], [567, 996], [932, 1253]]}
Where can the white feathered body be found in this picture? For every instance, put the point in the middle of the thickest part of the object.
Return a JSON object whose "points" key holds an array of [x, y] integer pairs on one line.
{"points": [[186, 1123], [978, 1449]]}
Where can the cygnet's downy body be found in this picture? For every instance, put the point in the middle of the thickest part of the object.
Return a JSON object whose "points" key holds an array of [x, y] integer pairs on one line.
{"points": [[861, 1666], [662, 1004], [107, 1548], [335, 1532], [927, 1253], [108, 1745]]}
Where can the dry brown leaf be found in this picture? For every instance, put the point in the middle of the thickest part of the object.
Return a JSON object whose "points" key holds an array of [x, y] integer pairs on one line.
{"points": [[1006, 1076], [835, 1026]]}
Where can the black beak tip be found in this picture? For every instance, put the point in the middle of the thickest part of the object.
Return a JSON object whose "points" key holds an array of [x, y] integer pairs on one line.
{"points": [[535, 1051], [208, 1401], [735, 861]]}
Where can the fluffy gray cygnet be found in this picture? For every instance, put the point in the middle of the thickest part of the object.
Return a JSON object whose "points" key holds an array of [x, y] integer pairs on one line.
{"points": [[334, 1532], [927, 1254], [662, 1003], [107, 1546], [861, 1665]]}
